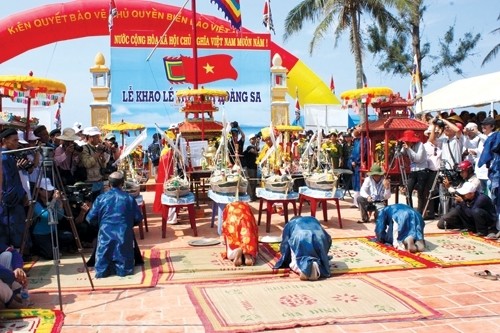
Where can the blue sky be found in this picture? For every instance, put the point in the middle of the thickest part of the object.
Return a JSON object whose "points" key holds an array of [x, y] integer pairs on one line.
{"points": [[69, 61]]}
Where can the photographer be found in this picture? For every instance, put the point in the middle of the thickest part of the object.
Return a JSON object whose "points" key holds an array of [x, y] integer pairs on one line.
{"points": [[66, 157], [373, 193], [93, 159], [14, 198], [414, 149], [48, 207], [473, 211], [450, 142], [466, 170]]}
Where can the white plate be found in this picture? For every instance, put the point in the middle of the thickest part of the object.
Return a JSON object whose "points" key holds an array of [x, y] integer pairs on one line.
{"points": [[204, 242], [270, 239]]}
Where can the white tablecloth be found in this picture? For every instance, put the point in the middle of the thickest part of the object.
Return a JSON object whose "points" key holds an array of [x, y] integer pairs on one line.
{"points": [[184, 200], [225, 199], [270, 195], [319, 194]]}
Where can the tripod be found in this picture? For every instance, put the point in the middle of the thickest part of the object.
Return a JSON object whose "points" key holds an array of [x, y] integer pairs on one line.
{"points": [[49, 171], [442, 194], [398, 157]]}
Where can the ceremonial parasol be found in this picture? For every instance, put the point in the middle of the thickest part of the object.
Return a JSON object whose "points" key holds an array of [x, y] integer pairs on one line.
{"points": [[29, 89], [123, 128], [366, 96]]}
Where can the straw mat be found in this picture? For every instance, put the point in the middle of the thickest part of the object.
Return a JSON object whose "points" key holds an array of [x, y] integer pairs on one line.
{"points": [[197, 264], [31, 321], [252, 306], [43, 278]]}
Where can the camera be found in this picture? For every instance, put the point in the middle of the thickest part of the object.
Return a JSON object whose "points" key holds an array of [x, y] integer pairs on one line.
{"points": [[452, 175], [78, 194], [438, 122], [101, 148]]}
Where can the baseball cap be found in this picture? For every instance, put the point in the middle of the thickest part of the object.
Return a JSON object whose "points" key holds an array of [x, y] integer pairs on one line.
{"points": [[471, 126], [91, 131], [466, 188], [46, 184], [488, 121], [20, 135]]}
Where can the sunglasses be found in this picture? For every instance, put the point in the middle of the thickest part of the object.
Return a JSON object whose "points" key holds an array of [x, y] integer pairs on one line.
{"points": [[435, 151]]}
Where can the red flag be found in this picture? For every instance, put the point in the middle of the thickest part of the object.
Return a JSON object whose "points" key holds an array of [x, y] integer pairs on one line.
{"points": [[210, 68], [112, 14], [267, 18], [332, 85], [408, 96], [297, 104]]}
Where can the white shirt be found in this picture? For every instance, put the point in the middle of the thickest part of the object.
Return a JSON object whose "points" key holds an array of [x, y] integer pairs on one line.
{"points": [[451, 150], [375, 190], [433, 156]]}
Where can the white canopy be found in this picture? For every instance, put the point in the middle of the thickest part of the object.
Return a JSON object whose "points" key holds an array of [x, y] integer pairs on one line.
{"points": [[475, 91]]}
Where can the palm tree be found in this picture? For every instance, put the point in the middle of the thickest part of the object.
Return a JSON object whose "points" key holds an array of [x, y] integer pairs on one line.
{"points": [[345, 15], [493, 53]]}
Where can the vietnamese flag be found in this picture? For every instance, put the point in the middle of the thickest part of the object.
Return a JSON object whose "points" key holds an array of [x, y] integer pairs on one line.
{"points": [[210, 68]]}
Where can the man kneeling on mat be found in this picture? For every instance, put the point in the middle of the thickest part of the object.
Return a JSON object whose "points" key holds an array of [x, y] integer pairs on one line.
{"points": [[401, 226], [304, 248], [241, 234]]}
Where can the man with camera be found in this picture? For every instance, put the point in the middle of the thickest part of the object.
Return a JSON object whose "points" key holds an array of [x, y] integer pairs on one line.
{"points": [[93, 159], [14, 198], [66, 156], [452, 182], [473, 211], [417, 179], [451, 144]]}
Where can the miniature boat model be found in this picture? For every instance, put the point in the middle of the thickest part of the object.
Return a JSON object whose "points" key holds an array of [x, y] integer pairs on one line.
{"points": [[176, 187], [325, 181], [228, 182], [132, 188], [277, 183]]}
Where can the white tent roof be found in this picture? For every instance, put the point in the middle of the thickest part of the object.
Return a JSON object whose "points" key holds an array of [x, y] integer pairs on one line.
{"points": [[475, 91]]}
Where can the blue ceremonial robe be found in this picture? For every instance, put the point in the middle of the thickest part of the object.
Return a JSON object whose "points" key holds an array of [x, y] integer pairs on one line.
{"points": [[491, 158], [116, 213], [12, 215], [410, 223], [305, 236]]}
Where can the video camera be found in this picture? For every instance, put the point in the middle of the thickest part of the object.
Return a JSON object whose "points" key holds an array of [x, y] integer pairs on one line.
{"points": [[78, 194], [438, 122], [452, 175]]}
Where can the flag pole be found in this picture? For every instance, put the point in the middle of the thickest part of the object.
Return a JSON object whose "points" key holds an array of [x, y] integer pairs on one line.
{"points": [[166, 30]]}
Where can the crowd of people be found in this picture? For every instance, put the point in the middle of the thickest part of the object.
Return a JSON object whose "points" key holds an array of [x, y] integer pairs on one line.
{"points": [[37, 170]]}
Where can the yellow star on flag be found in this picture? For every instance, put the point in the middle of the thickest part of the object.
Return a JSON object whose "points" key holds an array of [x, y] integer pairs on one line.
{"points": [[208, 68]]}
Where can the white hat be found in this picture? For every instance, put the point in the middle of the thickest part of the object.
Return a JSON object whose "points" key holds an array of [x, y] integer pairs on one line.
{"points": [[46, 184], [68, 134], [110, 136], [77, 127], [91, 131], [173, 126], [466, 188], [20, 135], [32, 137], [471, 126]]}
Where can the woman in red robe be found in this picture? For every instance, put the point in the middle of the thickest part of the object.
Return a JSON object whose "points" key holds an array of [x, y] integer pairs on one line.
{"points": [[241, 234]]}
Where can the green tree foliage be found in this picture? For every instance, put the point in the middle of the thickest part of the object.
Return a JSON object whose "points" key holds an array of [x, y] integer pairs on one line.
{"points": [[397, 46], [338, 17], [493, 53]]}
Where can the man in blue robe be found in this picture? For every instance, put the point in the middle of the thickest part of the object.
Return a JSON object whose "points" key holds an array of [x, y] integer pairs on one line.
{"points": [[14, 198], [116, 213], [401, 226], [304, 248]]}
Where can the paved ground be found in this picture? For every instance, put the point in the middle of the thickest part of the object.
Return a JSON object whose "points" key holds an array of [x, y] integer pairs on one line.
{"points": [[469, 304]]}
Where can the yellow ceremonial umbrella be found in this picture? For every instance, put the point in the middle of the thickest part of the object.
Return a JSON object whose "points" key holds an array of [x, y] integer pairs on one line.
{"points": [[366, 96], [29, 89], [123, 128]]}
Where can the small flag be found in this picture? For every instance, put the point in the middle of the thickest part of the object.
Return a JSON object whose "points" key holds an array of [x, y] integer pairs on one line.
{"points": [[57, 117], [112, 14], [332, 85], [268, 17], [297, 104], [415, 79]]}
